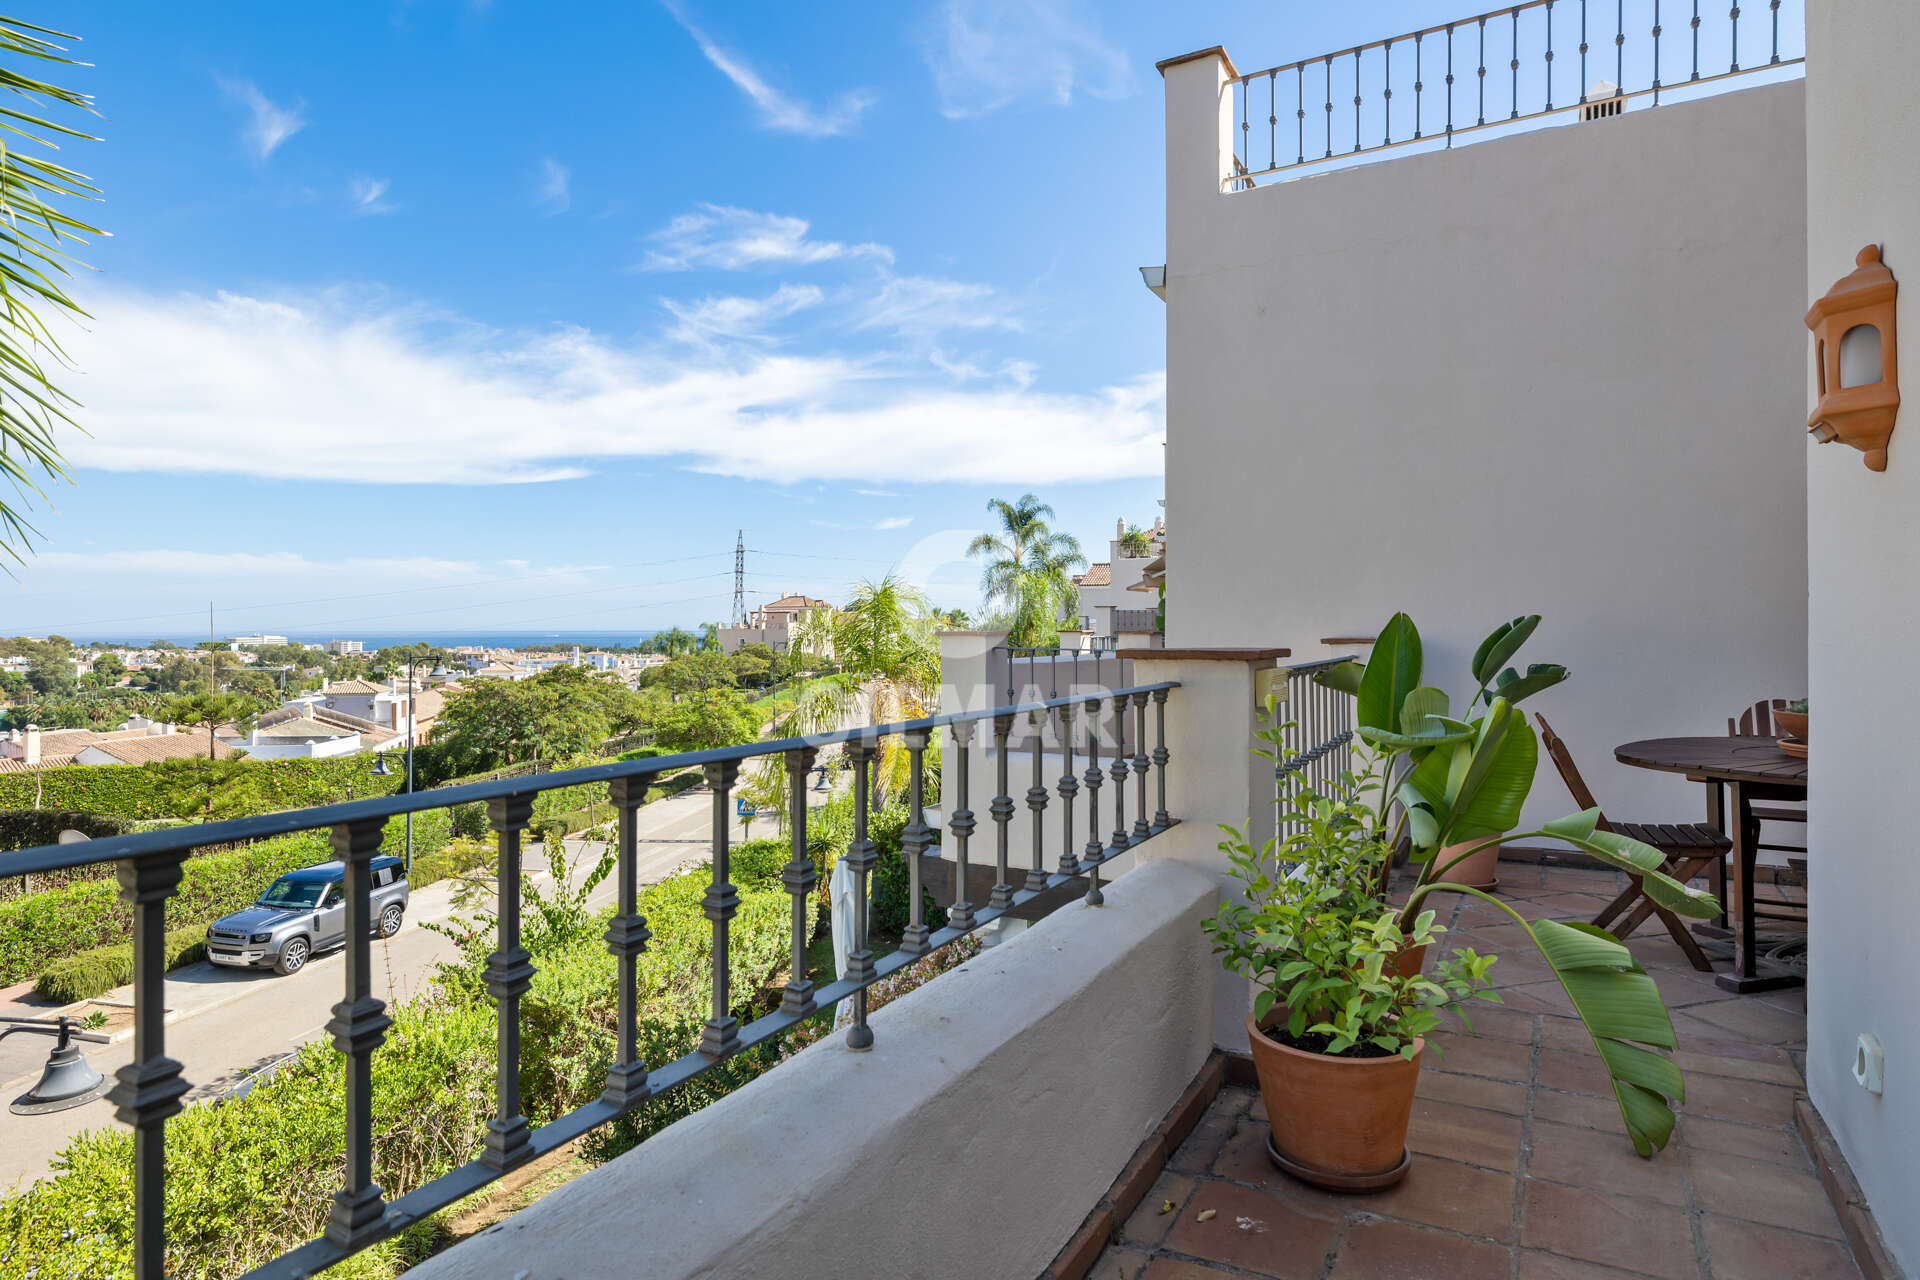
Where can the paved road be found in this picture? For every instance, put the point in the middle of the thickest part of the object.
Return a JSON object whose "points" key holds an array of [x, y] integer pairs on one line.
{"points": [[228, 1023]]}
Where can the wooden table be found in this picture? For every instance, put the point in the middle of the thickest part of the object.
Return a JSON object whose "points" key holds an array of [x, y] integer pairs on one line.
{"points": [[1752, 769]]}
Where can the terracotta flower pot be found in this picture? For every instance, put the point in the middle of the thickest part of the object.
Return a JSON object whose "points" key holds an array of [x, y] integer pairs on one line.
{"points": [[1338, 1123], [1410, 961], [1478, 872]]}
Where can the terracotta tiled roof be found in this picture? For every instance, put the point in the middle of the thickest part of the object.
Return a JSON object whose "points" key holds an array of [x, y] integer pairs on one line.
{"points": [[144, 748], [1097, 575], [355, 686]]}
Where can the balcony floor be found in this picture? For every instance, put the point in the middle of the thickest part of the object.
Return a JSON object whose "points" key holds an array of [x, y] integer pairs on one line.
{"points": [[1520, 1166]]}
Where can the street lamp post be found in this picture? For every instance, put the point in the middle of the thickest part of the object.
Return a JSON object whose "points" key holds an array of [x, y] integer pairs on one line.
{"points": [[439, 672]]}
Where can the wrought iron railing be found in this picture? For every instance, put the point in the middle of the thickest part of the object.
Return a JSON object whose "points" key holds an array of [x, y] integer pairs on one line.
{"points": [[1634, 29], [1135, 621], [1316, 728], [1036, 672], [150, 1089]]}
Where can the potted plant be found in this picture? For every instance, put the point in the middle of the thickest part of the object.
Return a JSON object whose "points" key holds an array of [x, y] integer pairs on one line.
{"points": [[1441, 783], [1337, 1023]]}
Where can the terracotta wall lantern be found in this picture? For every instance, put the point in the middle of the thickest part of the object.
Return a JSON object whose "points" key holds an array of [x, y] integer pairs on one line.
{"points": [[1854, 357]]}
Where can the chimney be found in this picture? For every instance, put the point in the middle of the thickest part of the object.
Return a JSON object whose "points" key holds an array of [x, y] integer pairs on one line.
{"points": [[1603, 101], [32, 755]]}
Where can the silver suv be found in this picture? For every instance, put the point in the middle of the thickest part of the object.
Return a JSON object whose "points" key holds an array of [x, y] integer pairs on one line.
{"points": [[303, 912]]}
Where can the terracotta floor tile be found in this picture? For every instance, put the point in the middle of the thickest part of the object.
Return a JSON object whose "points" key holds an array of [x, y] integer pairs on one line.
{"points": [[1120, 1264], [1612, 1230], [1721, 1046], [1204, 1143], [1465, 1134], [1477, 1056], [1535, 1265], [1252, 1229], [1180, 1269], [1570, 880], [1575, 906], [1575, 1071], [1505, 1096], [1684, 988], [1707, 1141], [1579, 1110], [1752, 1020], [1745, 1251], [1539, 997], [1392, 1251], [1493, 1022], [1147, 1226], [1604, 1160], [1721, 1099], [1715, 1064], [1504, 937], [1245, 1159], [1456, 1197], [1766, 1193]]}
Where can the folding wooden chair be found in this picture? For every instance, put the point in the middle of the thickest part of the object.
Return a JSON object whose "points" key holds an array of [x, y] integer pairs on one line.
{"points": [[1757, 720], [1689, 849]]}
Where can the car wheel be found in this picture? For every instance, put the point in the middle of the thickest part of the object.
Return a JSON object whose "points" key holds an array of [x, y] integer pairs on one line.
{"points": [[293, 955], [390, 920]]}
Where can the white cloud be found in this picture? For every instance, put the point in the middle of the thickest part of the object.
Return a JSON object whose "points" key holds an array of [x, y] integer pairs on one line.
{"points": [[294, 388], [554, 191], [708, 320], [200, 564], [877, 493], [368, 195], [268, 124], [921, 305], [988, 54], [778, 110], [1021, 373], [892, 522], [731, 239]]}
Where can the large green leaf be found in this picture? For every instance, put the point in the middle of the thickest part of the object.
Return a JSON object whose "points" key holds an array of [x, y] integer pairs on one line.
{"points": [[1344, 678], [1495, 651], [1393, 671], [1513, 686], [1423, 723], [1634, 858]]}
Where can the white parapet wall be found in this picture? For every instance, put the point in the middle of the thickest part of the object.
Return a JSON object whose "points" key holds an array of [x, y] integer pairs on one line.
{"points": [[996, 1106]]}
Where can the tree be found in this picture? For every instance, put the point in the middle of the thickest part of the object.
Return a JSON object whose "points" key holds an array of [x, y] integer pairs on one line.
{"points": [[707, 719], [698, 672], [109, 666], [709, 636], [1029, 569], [49, 669], [560, 715], [210, 709], [1136, 541]]}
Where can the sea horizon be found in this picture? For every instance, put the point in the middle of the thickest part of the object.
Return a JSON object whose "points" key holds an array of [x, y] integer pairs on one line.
{"points": [[372, 640]]}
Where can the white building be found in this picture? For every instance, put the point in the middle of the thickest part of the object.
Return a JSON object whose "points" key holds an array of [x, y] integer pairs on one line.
{"points": [[773, 623], [339, 647], [1117, 603], [255, 641]]}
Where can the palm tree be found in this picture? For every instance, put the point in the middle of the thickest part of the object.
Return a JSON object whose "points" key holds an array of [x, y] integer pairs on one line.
{"points": [[32, 259], [709, 636], [814, 630], [1136, 541], [1029, 568]]}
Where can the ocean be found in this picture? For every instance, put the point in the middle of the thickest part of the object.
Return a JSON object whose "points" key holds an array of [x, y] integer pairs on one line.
{"points": [[444, 639]]}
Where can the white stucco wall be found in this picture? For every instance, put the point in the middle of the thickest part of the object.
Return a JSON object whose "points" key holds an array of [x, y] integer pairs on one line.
{"points": [[995, 1107], [1863, 543], [1558, 372]]}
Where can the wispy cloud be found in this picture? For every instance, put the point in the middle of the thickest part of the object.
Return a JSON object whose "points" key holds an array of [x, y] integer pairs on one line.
{"points": [[368, 195], [553, 191], [778, 110], [258, 386], [892, 522], [921, 305], [708, 320], [730, 239], [989, 54], [268, 124], [971, 368], [876, 493]]}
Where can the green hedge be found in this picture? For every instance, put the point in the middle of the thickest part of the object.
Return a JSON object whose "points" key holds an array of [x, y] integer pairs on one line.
{"points": [[99, 970], [28, 828], [181, 788], [889, 893], [44, 927]]}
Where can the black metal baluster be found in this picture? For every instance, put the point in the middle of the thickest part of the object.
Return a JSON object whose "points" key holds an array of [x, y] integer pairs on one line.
{"points": [[1619, 48], [1300, 112], [1329, 107], [1734, 13], [627, 936], [1068, 788], [960, 914], [1246, 144], [860, 858], [1037, 796], [1418, 86], [1549, 55], [509, 972], [1775, 6], [358, 1026], [1118, 772], [1001, 811], [1695, 24], [1095, 851], [720, 1034], [1514, 65], [1273, 121], [799, 877], [1449, 84], [1141, 829], [1386, 97], [1656, 52], [915, 838], [1161, 819], [150, 1087], [1356, 99], [1483, 71], [1583, 51]]}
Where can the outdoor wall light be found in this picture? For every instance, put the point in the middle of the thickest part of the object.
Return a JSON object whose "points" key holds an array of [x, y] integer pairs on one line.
{"points": [[1155, 279], [1854, 359]]}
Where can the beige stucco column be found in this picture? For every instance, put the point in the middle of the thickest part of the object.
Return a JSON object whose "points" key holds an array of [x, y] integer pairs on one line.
{"points": [[1213, 778]]}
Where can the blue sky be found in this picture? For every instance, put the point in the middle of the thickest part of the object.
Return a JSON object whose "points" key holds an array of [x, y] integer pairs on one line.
{"points": [[459, 315]]}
